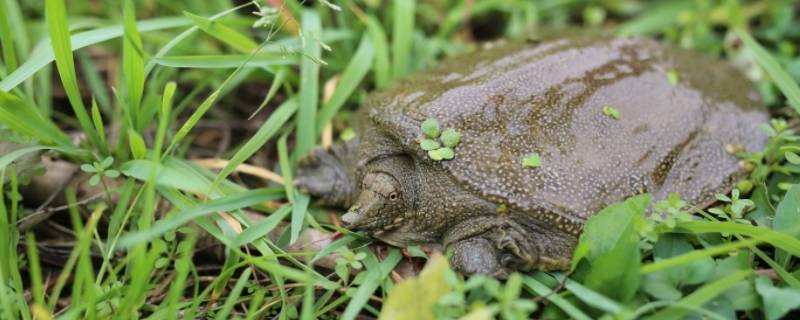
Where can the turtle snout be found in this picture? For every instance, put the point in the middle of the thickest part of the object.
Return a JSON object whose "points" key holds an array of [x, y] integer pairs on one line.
{"points": [[351, 218], [356, 216]]}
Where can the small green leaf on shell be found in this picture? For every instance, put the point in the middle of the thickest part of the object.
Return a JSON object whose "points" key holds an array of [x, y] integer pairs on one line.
{"points": [[533, 160], [347, 134], [435, 155], [501, 208], [451, 138], [610, 111], [431, 128], [446, 153], [673, 77], [428, 144]]}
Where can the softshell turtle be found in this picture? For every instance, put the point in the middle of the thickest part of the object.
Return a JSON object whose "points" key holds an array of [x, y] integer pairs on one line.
{"points": [[607, 119]]}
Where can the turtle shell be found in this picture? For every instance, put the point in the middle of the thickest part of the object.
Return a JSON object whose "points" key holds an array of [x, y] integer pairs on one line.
{"points": [[609, 118]]}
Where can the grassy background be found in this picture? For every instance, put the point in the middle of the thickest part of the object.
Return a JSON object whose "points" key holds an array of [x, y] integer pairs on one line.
{"points": [[175, 114]]}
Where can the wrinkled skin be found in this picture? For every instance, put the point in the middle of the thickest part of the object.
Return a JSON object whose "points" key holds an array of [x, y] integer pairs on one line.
{"points": [[511, 100]]}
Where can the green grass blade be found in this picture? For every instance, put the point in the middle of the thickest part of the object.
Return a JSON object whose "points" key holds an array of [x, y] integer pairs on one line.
{"points": [[132, 62], [56, 13], [82, 232], [16, 23], [542, 290], [373, 279], [275, 121], [97, 121], [695, 255], [183, 264], [10, 157], [35, 272], [382, 69], [255, 305], [223, 33], [96, 84], [277, 82], [229, 203], [234, 294], [286, 167], [277, 269], [298, 213], [776, 239], [9, 48], [702, 295], [656, 18], [402, 32], [25, 119], [351, 77], [225, 61], [789, 278], [43, 55], [195, 117], [307, 312], [262, 228], [6, 261], [588, 296], [185, 34], [333, 247], [309, 85], [170, 174], [778, 74]]}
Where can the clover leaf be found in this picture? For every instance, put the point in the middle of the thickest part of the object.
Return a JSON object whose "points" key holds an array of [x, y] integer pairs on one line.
{"points": [[431, 128], [428, 144], [446, 153], [673, 77], [435, 155], [450, 138]]}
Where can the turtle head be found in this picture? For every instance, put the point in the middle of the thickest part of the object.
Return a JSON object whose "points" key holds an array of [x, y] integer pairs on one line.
{"points": [[388, 194]]}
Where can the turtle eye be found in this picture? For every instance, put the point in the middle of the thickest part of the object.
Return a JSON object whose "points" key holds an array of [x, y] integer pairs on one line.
{"points": [[393, 196]]}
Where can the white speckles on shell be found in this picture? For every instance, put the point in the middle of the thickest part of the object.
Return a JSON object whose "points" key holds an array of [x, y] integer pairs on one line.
{"points": [[515, 100]]}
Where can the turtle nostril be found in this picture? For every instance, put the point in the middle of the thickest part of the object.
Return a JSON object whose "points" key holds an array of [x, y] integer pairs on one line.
{"points": [[350, 218]]}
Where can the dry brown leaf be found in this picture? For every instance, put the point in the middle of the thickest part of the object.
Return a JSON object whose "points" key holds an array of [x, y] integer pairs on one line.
{"points": [[265, 174]]}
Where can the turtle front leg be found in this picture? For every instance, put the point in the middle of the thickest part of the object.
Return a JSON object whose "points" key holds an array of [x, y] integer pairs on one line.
{"points": [[329, 174], [477, 255], [490, 245], [497, 246]]}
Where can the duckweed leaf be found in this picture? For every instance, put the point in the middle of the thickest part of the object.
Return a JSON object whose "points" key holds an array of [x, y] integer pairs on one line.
{"points": [[450, 138], [430, 127], [428, 144], [447, 153], [533, 160], [673, 77], [347, 134], [435, 155], [611, 112]]}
